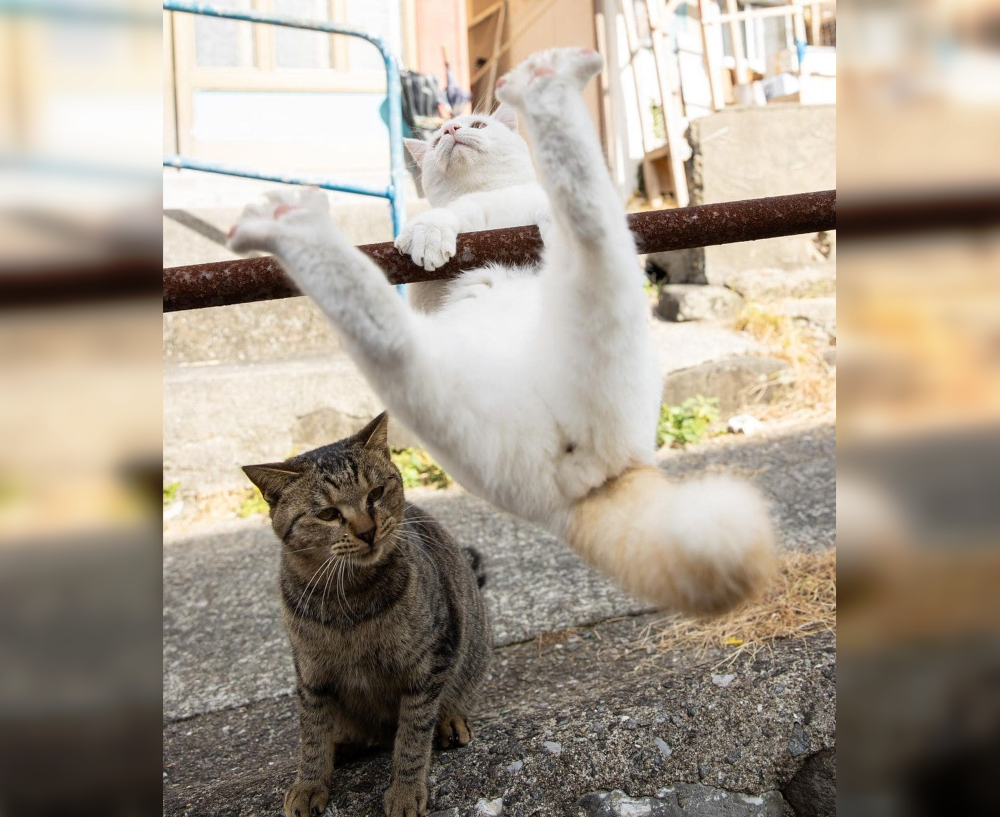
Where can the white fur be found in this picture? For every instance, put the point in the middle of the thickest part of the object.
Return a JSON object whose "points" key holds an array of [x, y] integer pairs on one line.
{"points": [[477, 174], [531, 389]]}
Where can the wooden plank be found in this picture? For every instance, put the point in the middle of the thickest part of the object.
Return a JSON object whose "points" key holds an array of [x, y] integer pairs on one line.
{"points": [[799, 24], [169, 86], [708, 33], [650, 178], [184, 67], [539, 10], [736, 39], [486, 14], [671, 113], [501, 18], [631, 38], [607, 128]]}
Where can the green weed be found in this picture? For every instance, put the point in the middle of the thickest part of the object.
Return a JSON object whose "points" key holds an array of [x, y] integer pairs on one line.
{"points": [[686, 423], [418, 469]]}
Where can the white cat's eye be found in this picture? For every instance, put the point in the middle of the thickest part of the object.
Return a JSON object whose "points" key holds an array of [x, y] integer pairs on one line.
{"points": [[376, 494], [478, 125], [329, 514]]}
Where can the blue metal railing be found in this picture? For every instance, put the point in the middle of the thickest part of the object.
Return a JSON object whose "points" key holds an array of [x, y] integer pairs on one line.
{"points": [[393, 192]]}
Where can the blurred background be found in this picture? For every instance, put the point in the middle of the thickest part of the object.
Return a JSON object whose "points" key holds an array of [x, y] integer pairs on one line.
{"points": [[918, 424], [80, 402]]}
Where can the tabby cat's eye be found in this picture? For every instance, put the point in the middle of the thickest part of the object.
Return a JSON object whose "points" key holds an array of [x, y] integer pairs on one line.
{"points": [[328, 514], [376, 494], [478, 125]]}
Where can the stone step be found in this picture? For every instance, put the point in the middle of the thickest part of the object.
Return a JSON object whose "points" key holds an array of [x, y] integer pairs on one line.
{"points": [[219, 416]]}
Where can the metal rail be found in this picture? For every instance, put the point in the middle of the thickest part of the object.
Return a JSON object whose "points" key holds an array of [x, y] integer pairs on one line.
{"points": [[394, 192], [261, 279]]}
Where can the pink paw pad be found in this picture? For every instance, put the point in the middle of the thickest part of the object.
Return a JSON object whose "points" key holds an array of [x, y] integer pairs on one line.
{"points": [[281, 209], [544, 72], [501, 82], [586, 52], [232, 231]]}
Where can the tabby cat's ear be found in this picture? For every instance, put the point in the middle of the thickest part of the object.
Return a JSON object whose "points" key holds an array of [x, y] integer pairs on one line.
{"points": [[418, 149], [375, 435], [272, 479]]}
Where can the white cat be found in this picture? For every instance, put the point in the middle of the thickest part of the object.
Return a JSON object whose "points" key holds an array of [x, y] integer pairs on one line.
{"points": [[477, 175], [541, 393]]}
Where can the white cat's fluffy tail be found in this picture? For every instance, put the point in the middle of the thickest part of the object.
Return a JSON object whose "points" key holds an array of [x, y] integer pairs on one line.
{"points": [[701, 546]]}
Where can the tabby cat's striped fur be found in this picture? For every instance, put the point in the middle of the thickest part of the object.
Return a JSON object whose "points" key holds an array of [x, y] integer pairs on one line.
{"points": [[387, 625]]}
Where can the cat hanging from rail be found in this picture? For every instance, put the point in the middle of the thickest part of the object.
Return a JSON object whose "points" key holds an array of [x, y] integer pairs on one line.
{"points": [[537, 389]]}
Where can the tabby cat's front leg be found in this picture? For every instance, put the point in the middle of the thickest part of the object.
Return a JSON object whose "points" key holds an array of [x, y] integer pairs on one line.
{"points": [[411, 755], [318, 731]]}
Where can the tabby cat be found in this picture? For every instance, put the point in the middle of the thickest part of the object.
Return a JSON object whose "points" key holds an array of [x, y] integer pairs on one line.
{"points": [[388, 628]]}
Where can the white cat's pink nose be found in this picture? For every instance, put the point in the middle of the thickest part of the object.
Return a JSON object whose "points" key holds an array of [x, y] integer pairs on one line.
{"points": [[450, 128]]}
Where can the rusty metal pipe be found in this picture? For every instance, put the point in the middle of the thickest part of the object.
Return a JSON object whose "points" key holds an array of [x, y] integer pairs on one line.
{"points": [[261, 279]]}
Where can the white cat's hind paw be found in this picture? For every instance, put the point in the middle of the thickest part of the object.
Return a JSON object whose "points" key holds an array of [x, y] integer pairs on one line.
{"points": [[574, 66], [430, 239], [260, 225]]}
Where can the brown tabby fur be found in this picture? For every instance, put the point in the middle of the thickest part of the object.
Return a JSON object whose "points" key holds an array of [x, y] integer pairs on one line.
{"points": [[388, 628]]}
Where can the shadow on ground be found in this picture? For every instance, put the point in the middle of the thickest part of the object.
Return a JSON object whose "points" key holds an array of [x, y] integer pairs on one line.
{"points": [[577, 705]]}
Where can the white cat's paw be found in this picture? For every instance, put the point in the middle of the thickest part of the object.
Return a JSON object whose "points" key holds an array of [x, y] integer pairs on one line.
{"points": [[260, 225], [430, 239], [572, 66]]}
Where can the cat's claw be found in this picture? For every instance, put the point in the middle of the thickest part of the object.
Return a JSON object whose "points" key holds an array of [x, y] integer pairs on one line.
{"points": [[430, 239], [453, 732], [260, 224], [406, 800], [572, 66], [306, 798]]}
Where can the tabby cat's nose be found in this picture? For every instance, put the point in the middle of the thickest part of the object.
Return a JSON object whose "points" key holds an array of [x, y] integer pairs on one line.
{"points": [[367, 536]]}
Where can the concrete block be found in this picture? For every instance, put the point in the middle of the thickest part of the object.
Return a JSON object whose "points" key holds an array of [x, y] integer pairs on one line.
{"points": [[695, 302], [736, 382], [745, 153]]}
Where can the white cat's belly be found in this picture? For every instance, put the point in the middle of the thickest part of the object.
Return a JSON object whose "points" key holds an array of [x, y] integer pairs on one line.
{"points": [[522, 415]]}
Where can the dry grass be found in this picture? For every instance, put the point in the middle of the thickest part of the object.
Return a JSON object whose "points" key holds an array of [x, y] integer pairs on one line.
{"points": [[814, 389], [801, 600]]}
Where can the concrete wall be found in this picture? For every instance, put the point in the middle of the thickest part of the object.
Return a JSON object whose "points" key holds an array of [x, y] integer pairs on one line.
{"points": [[744, 153]]}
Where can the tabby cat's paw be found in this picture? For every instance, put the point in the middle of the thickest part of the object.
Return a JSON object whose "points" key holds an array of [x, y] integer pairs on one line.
{"points": [[306, 798], [453, 731], [260, 225], [406, 800], [430, 238], [570, 67]]}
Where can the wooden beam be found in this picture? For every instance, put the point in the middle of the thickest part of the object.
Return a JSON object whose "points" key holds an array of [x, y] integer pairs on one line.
{"points": [[539, 10], [501, 18], [736, 38], [671, 113], [708, 33], [486, 14]]}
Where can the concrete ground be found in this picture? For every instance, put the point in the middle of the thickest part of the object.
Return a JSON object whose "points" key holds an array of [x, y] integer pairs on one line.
{"points": [[580, 715], [577, 705]]}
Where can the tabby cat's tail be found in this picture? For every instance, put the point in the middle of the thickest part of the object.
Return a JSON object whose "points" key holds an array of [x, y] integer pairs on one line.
{"points": [[701, 546]]}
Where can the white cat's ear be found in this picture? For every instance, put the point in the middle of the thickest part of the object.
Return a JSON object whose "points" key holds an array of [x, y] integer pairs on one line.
{"points": [[271, 479], [418, 149], [376, 433], [506, 115]]}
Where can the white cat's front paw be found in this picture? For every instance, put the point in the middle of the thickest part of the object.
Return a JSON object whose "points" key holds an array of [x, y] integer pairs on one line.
{"points": [[574, 66], [260, 225], [430, 239]]}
